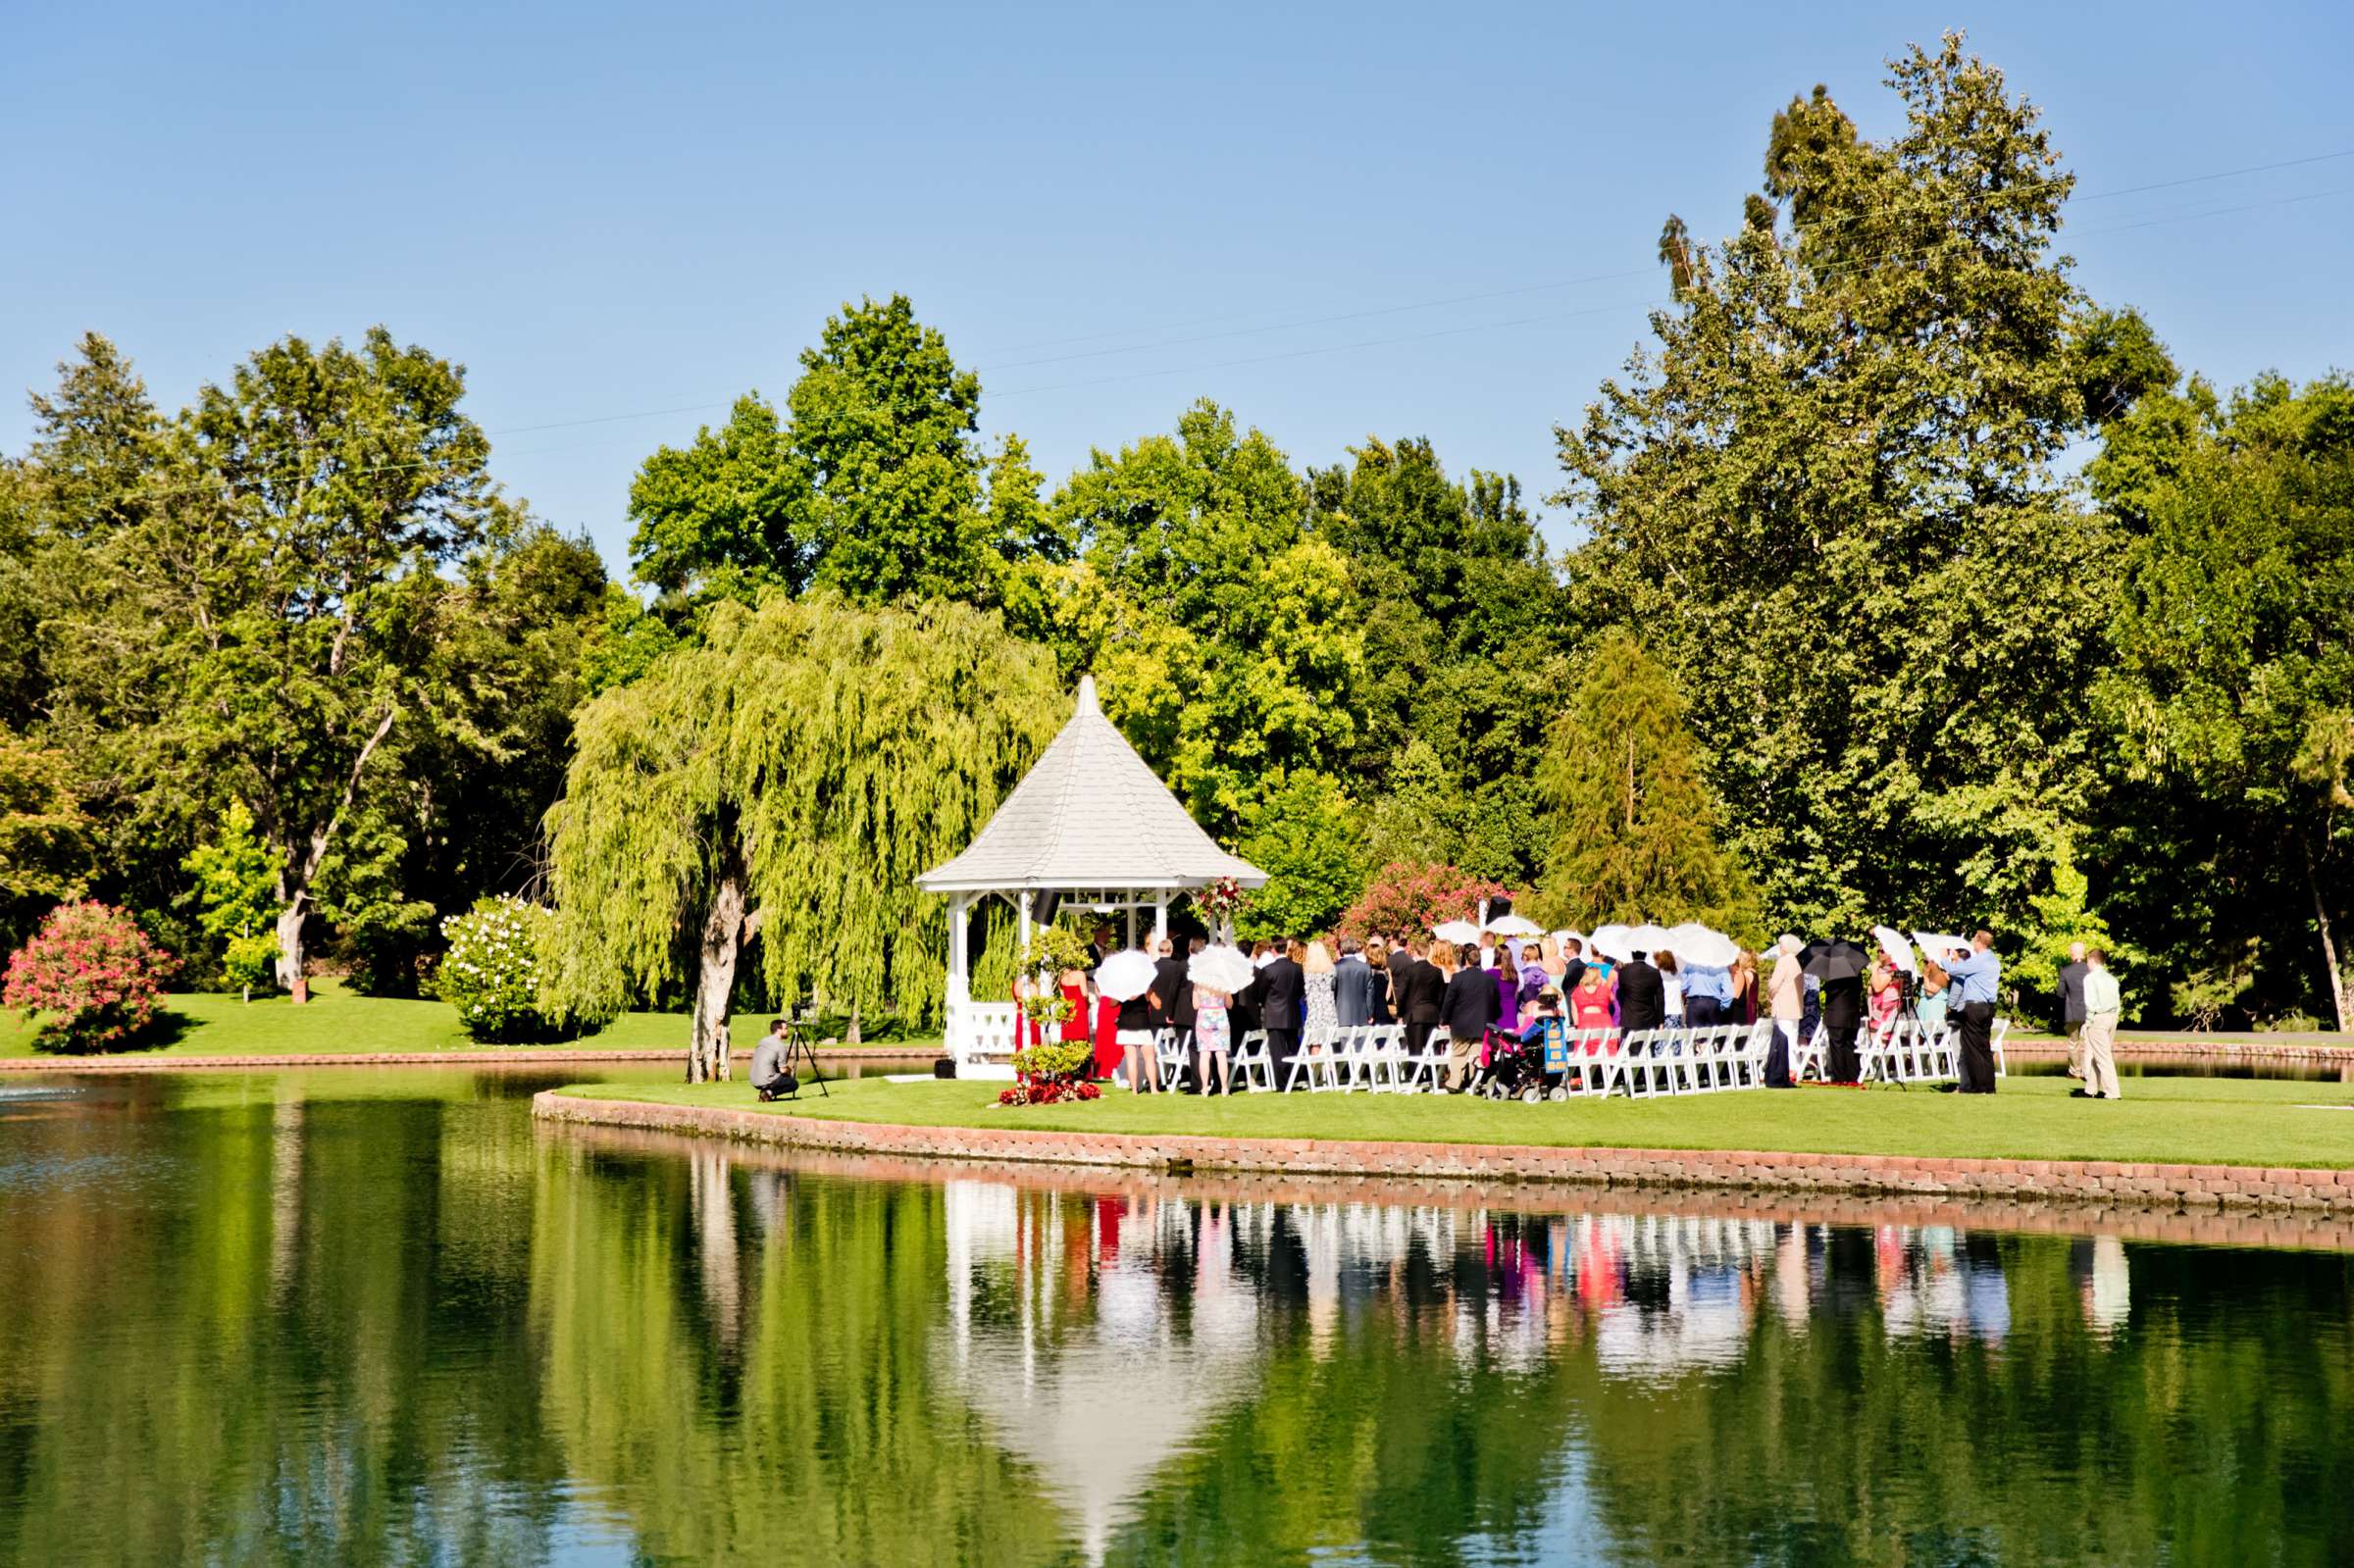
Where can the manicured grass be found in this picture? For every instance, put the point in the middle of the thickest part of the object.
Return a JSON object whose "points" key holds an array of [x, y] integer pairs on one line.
{"points": [[2197, 1121], [338, 1021]]}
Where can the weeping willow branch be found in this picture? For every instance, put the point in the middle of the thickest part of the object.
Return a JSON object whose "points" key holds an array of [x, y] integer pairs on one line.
{"points": [[839, 752]]}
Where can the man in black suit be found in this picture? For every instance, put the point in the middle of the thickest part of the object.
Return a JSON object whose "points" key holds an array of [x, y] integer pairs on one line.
{"points": [[1415, 992], [1642, 996], [1172, 994], [1470, 1004], [1282, 989], [1574, 966], [1353, 986]]}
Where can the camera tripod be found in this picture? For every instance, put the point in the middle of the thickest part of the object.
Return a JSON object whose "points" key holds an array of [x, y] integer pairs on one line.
{"points": [[800, 1061]]}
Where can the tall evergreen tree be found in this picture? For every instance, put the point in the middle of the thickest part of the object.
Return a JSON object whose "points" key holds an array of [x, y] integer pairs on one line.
{"points": [[1828, 502], [1631, 828]]}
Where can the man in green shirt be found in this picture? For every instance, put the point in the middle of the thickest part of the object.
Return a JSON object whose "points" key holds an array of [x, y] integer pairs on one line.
{"points": [[2102, 1003]]}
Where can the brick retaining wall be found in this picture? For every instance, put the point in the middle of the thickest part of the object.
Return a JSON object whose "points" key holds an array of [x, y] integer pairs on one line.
{"points": [[2169, 1187]]}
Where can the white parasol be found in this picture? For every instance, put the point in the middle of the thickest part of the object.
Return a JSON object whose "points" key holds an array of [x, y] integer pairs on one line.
{"points": [[1899, 950], [1937, 949], [1226, 969], [1125, 976], [1614, 943], [1516, 925], [1649, 939], [1694, 944], [1456, 931]]}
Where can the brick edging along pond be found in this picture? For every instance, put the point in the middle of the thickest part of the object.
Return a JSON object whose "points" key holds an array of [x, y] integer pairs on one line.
{"points": [[2187, 1186]]}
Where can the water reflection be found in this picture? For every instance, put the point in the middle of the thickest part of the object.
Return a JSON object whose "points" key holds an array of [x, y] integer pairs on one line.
{"points": [[271, 1320]]}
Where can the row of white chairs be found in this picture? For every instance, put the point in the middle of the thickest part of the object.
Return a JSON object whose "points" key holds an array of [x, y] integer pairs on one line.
{"points": [[1376, 1058]]}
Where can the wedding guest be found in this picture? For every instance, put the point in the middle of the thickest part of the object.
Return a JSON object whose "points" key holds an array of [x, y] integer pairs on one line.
{"points": [[1322, 1014], [2102, 1004], [1978, 975], [1467, 1008], [1417, 991], [1786, 1006], [1379, 1008], [1140, 1064], [1212, 1040], [1642, 996], [2072, 1006], [1352, 985], [1671, 987], [1842, 1015], [1282, 994], [1708, 994], [1508, 990]]}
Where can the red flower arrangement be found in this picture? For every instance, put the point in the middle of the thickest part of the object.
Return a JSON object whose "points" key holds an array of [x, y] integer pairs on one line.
{"points": [[1048, 1074], [93, 972]]}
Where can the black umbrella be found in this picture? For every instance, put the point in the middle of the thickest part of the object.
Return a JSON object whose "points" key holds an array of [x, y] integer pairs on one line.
{"points": [[1834, 960]]}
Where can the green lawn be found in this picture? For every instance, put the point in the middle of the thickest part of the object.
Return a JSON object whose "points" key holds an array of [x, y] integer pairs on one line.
{"points": [[2199, 1121], [338, 1021]]}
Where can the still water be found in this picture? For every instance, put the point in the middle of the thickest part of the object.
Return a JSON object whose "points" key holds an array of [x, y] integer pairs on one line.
{"points": [[358, 1317]]}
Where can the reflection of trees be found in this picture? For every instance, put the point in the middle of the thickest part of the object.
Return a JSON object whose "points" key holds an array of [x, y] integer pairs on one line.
{"points": [[814, 1436], [2062, 1439], [375, 1330], [258, 1338]]}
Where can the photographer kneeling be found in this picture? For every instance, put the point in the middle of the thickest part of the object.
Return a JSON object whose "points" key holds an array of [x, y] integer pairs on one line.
{"points": [[769, 1074]]}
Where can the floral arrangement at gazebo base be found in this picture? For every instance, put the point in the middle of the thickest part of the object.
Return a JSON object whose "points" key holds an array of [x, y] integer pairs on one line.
{"points": [[1050, 1073]]}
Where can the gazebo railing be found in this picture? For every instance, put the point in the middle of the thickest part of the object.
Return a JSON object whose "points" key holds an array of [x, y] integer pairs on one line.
{"points": [[982, 1037]]}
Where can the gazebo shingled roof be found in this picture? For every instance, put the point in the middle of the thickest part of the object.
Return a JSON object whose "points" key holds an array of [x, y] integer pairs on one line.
{"points": [[1089, 814]]}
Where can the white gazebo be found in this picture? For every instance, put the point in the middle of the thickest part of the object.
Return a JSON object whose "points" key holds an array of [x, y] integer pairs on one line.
{"points": [[1088, 824]]}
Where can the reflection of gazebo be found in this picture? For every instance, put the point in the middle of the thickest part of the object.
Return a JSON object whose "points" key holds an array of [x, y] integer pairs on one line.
{"points": [[1088, 824]]}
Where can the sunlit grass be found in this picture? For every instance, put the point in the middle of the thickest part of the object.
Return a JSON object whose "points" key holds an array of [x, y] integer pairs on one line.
{"points": [[2214, 1121]]}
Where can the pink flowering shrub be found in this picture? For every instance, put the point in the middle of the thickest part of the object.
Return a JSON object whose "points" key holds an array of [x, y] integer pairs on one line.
{"points": [[1406, 898], [90, 975]]}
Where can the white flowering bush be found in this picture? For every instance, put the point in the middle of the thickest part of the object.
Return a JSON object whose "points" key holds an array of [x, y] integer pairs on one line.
{"points": [[492, 972]]}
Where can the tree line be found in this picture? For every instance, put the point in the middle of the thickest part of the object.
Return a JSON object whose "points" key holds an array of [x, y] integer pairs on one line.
{"points": [[1907, 582]]}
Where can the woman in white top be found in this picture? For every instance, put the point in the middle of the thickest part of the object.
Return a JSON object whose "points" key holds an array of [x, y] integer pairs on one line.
{"points": [[1323, 1017]]}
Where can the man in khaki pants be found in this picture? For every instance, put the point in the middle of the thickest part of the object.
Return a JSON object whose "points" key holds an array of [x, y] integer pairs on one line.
{"points": [[2102, 1004]]}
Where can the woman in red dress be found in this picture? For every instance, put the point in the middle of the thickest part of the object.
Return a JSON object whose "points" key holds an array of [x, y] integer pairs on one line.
{"points": [[1107, 1037], [1077, 1024]]}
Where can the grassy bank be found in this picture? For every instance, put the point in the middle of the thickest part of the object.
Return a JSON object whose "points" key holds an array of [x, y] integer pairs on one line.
{"points": [[2172, 1120], [339, 1022]]}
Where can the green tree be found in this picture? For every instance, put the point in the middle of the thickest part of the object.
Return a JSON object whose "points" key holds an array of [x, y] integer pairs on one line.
{"points": [[44, 836], [1827, 499], [871, 486], [1633, 828], [1234, 653], [2233, 687], [787, 780], [235, 883], [1465, 624], [290, 602], [1306, 836]]}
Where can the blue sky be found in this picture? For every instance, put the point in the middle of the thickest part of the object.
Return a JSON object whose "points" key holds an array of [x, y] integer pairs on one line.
{"points": [[607, 211]]}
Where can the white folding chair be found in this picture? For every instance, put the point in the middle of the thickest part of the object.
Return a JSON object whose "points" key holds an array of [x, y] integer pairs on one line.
{"points": [[1642, 1067], [1429, 1063], [1813, 1056], [1994, 1039], [1377, 1056], [1306, 1059], [1874, 1052], [1335, 1067], [1252, 1063], [1172, 1054], [1749, 1066]]}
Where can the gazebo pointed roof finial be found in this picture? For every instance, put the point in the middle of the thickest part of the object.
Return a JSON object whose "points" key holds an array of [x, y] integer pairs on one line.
{"points": [[1089, 813]]}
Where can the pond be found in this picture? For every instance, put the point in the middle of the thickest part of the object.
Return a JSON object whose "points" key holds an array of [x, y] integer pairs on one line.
{"points": [[363, 1316]]}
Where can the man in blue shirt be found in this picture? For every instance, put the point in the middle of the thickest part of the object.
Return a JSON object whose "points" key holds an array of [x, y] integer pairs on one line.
{"points": [[1975, 979], [1707, 993]]}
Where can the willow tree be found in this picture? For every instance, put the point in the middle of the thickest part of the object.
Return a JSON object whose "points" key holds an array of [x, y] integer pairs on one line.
{"points": [[786, 780]]}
